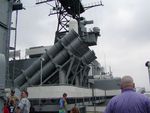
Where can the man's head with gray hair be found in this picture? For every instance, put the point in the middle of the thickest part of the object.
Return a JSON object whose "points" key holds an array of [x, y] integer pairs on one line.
{"points": [[127, 82]]}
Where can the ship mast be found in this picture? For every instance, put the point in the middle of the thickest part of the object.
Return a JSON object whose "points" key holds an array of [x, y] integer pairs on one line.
{"points": [[65, 10]]}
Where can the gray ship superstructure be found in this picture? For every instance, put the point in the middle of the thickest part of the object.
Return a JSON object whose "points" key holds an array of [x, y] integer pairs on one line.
{"points": [[67, 66]]}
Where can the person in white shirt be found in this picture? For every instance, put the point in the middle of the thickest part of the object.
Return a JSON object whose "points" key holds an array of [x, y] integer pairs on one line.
{"points": [[24, 104]]}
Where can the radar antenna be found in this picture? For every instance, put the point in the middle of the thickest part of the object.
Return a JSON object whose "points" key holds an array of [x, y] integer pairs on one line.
{"points": [[65, 10]]}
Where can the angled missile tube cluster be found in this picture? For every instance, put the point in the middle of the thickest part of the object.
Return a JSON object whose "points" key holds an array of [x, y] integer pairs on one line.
{"points": [[57, 64]]}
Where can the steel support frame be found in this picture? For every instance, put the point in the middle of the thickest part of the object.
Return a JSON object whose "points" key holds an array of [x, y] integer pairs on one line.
{"points": [[63, 21]]}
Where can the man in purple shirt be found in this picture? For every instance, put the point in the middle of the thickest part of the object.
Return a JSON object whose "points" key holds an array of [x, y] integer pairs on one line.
{"points": [[128, 101]]}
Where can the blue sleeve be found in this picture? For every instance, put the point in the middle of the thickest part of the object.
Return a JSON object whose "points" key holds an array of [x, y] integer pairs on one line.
{"points": [[148, 105], [109, 107], [61, 103]]}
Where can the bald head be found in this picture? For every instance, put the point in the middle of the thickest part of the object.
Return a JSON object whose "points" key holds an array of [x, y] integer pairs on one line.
{"points": [[127, 82]]}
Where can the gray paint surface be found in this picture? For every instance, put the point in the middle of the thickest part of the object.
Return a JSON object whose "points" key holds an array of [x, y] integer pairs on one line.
{"points": [[2, 71], [107, 84], [5, 23], [4, 4]]}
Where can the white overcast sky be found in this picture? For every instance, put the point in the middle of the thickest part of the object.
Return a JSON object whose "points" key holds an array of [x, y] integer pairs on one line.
{"points": [[125, 31]]}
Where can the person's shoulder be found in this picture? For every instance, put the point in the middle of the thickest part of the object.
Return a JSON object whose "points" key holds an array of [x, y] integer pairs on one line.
{"points": [[15, 96], [143, 97], [117, 96], [24, 99], [61, 99], [114, 99], [9, 97]]}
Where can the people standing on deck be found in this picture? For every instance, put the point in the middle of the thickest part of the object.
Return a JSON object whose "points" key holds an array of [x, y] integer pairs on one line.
{"points": [[12, 98], [128, 101], [63, 104], [12, 101], [24, 104]]}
